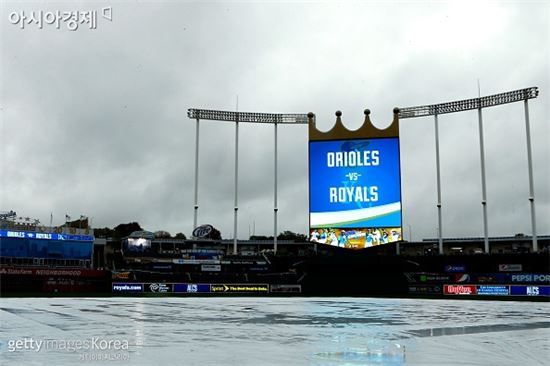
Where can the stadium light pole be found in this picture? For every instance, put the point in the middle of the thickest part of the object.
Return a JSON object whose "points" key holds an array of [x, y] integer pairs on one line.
{"points": [[483, 180], [438, 172], [531, 182], [196, 206], [236, 209], [246, 117], [479, 103], [275, 208]]}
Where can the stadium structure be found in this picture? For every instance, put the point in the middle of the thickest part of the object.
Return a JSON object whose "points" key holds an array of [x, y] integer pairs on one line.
{"points": [[355, 244]]}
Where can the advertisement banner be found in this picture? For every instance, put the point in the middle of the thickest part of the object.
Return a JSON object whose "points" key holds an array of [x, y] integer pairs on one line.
{"points": [[541, 278], [459, 290], [120, 275], [192, 288], [493, 290], [519, 290], [43, 236], [510, 267], [462, 277], [127, 287], [426, 289], [239, 288], [492, 278], [454, 268], [434, 278], [355, 184], [158, 287], [283, 288], [531, 277], [85, 273], [421, 277]]}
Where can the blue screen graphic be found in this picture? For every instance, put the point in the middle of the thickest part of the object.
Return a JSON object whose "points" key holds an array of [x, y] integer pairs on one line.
{"points": [[355, 183], [530, 290], [43, 236]]}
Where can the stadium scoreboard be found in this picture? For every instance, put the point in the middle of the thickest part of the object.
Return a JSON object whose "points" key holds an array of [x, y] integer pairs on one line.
{"points": [[355, 185]]}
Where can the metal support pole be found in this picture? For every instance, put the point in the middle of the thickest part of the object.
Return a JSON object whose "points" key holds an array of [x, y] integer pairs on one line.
{"points": [[275, 209], [531, 182], [236, 185], [196, 207], [439, 227], [483, 184]]}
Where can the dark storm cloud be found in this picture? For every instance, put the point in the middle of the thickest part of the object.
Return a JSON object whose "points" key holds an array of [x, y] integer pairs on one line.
{"points": [[94, 121]]}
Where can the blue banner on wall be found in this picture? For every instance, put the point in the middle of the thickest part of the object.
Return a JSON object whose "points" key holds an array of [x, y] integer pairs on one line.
{"points": [[192, 287], [518, 290], [44, 236]]}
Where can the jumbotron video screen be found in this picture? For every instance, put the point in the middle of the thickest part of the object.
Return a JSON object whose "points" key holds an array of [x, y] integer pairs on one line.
{"points": [[355, 192]]}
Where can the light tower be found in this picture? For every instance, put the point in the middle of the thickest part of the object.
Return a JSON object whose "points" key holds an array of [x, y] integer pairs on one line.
{"points": [[242, 117]]}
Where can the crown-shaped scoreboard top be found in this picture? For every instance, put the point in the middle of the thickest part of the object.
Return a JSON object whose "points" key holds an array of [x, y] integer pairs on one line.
{"points": [[340, 132]]}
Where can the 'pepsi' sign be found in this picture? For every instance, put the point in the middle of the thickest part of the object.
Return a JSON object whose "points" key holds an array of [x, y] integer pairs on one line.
{"points": [[455, 268]]}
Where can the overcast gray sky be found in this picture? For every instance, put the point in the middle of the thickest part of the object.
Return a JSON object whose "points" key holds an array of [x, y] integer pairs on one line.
{"points": [[94, 121]]}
